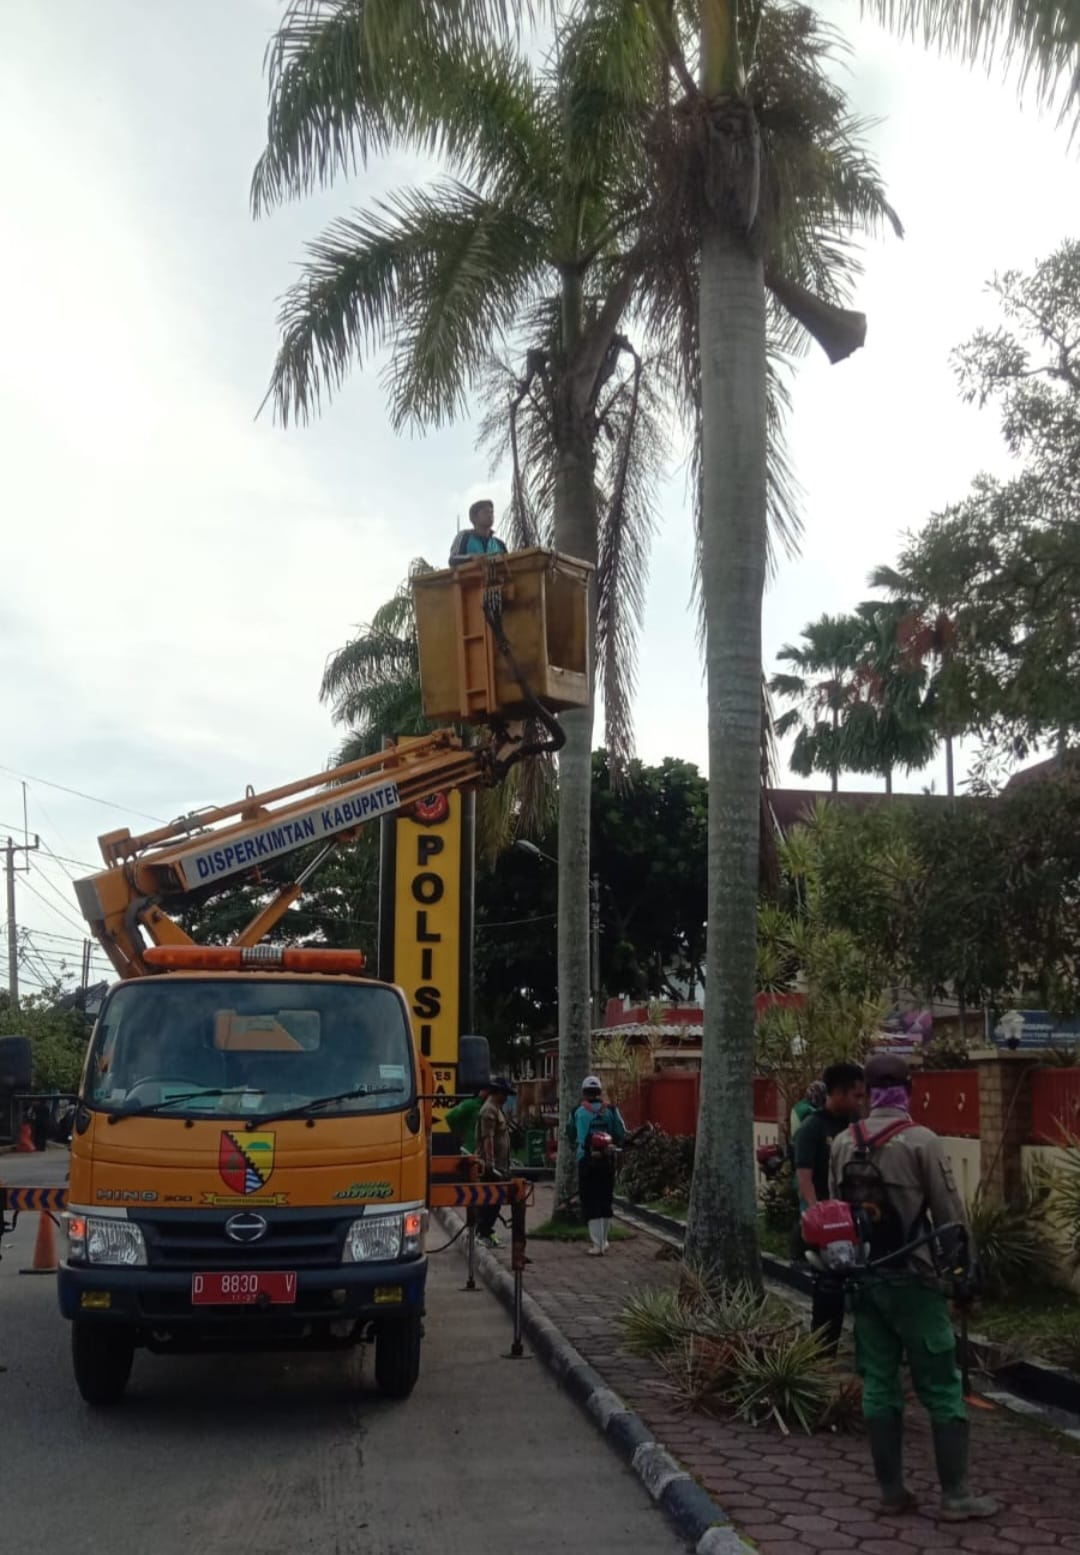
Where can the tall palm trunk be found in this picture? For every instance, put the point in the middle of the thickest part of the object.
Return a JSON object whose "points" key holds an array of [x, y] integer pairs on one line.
{"points": [[576, 535], [950, 774], [722, 1218]]}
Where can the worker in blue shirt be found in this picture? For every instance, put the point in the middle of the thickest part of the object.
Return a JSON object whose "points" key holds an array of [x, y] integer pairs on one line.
{"points": [[479, 540], [597, 1129]]}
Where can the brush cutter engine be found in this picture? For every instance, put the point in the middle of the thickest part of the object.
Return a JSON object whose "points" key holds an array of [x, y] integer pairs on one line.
{"points": [[834, 1240]]}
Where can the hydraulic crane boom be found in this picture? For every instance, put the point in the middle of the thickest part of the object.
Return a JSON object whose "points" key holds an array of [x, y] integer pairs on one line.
{"points": [[502, 638], [200, 850]]}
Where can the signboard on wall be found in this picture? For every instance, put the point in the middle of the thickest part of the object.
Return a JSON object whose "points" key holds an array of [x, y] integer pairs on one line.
{"points": [[1032, 1029], [426, 927]]}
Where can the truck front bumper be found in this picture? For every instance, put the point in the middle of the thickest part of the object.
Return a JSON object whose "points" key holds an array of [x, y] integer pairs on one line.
{"points": [[333, 1308]]}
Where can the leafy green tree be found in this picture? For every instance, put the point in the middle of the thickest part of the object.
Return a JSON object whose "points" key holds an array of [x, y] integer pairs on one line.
{"points": [[999, 572], [649, 854], [801, 947], [971, 898], [57, 1033]]}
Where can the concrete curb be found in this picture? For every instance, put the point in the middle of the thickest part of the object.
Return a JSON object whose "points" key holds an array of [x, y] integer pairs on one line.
{"points": [[690, 1510]]}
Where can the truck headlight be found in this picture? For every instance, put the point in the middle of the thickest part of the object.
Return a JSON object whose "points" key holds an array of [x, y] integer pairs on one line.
{"points": [[93, 1239], [376, 1237]]}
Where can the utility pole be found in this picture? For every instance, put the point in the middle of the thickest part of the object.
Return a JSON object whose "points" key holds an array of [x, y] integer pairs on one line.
{"points": [[12, 937]]}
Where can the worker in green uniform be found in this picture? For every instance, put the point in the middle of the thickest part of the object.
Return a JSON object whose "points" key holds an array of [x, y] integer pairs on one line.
{"points": [[899, 1171], [462, 1120]]}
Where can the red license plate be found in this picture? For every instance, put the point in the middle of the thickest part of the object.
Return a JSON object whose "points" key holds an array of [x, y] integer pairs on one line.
{"points": [[244, 1289]]}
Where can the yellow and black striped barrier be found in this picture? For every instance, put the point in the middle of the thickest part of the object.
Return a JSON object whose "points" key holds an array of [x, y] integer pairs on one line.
{"points": [[25, 1200]]}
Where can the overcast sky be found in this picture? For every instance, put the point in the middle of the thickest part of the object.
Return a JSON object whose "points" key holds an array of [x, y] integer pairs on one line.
{"points": [[175, 573]]}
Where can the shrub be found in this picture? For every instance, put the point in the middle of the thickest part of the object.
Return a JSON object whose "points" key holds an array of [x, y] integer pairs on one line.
{"points": [[658, 1167], [780, 1200], [1010, 1240], [788, 1379], [729, 1349], [952, 1051]]}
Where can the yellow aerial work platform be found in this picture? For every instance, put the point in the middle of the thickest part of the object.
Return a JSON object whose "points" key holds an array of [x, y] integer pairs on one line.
{"points": [[494, 630]]}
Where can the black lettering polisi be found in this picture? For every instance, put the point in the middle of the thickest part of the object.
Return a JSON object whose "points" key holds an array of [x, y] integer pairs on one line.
{"points": [[427, 1001], [428, 888]]}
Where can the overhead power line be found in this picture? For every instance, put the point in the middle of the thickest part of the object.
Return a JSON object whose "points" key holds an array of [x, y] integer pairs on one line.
{"points": [[110, 804], [45, 902]]}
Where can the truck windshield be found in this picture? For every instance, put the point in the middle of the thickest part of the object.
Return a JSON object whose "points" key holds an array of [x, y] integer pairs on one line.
{"points": [[213, 1047]]}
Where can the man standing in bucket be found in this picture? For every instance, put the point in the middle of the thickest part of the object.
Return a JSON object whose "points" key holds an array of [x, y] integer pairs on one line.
{"points": [[479, 540], [901, 1308]]}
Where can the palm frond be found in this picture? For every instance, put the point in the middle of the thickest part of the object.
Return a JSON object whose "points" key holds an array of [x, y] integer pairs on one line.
{"points": [[1038, 39], [439, 271], [348, 77], [634, 449]]}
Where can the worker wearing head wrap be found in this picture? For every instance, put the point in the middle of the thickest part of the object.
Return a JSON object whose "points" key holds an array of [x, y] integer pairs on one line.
{"points": [[901, 1308], [597, 1127]]}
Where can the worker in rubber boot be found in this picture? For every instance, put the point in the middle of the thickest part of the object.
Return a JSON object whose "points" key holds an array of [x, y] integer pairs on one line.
{"points": [[897, 1175]]}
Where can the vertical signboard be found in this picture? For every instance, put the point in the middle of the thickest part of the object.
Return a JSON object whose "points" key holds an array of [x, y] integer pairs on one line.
{"points": [[426, 928]]}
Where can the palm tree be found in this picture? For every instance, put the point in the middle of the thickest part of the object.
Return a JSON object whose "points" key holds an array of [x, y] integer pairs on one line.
{"points": [[532, 228], [723, 193], [373, 682], [926, 637], [823, 684], [552, 220], [889, 724], [859, 697]]}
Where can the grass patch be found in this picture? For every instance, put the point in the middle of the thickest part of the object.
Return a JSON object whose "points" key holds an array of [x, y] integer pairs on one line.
{"points": [[773, 1240], [676, 1208], [567, 1231], [1044, 1323]]}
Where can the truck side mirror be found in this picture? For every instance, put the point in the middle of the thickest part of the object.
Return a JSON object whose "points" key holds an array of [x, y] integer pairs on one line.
{"points": [[16, 1063], [474, 1064]]}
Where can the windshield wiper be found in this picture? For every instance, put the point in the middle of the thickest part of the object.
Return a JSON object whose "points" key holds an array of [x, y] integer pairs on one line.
{"points": [[323, 1101], [139, 1111]]}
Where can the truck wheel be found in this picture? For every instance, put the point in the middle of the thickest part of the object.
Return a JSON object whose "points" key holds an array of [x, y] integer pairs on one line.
{"points": [[102, 1360], [397, 1355]]}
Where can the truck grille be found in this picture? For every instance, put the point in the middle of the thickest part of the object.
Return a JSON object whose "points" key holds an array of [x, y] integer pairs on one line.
{"points": [[198, 1244]]}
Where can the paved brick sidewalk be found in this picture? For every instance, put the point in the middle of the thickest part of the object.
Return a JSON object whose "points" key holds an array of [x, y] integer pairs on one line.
{"points": [[800, 1493]]}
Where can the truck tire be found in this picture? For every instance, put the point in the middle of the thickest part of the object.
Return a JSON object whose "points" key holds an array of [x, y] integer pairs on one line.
{"points": [[397, 1355], [101, 1357]]}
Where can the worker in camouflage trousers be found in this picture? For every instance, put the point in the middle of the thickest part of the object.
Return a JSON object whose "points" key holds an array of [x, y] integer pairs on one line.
{"points": [[896, 1173]]}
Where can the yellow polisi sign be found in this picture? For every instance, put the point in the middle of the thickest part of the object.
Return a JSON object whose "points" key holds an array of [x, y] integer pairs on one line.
{"points": [[426, 930]]}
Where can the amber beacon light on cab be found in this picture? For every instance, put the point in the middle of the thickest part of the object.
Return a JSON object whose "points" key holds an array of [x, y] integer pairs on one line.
{"points": [[252, 1162]]}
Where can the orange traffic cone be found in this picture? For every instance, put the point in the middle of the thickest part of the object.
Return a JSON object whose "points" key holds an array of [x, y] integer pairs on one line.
{"points": [[44, 1247], [25, 1145]]}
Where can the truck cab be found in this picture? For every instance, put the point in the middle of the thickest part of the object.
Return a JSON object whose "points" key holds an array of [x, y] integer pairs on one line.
{"points": [[249, 1170]]}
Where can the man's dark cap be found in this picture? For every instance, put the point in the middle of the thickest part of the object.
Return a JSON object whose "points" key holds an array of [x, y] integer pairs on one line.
{"points": [[885, 1070]]}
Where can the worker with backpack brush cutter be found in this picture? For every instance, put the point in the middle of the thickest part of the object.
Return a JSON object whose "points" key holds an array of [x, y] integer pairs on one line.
{"points": [[896, 1230], [597, 1129]]}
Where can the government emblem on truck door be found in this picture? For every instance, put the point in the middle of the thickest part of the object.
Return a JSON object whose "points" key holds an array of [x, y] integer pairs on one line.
{"points": [[246, 1161]]}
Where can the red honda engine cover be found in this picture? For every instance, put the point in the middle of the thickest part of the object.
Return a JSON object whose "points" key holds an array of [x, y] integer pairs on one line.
{"points": [[827, 1222], [600, 1143]]}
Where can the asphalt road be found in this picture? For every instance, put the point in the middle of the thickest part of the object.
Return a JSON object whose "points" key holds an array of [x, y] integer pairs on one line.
{"points": [[284, 1456]]}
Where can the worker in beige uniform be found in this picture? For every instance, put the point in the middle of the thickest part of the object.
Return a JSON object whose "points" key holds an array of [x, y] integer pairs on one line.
{"points": [[899, 1174]]}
